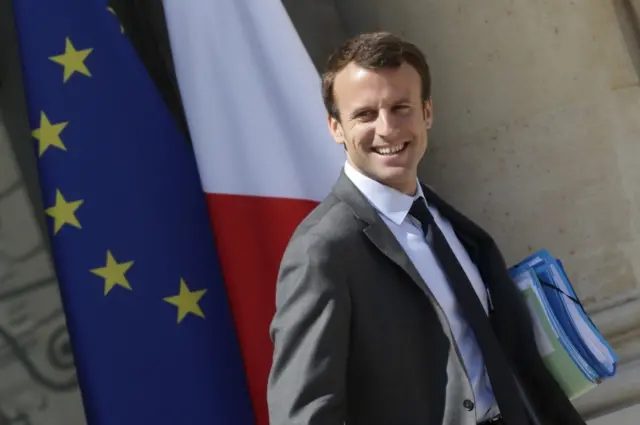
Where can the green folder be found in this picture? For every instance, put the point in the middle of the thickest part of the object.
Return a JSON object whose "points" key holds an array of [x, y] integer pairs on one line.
{"points": [[557, 359]]}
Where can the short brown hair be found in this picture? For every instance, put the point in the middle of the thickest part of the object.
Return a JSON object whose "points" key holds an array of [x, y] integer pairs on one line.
{"points": [[374, 50]]}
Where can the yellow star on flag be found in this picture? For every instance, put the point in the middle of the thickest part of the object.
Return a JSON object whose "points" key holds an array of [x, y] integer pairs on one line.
{"points": [[113, 273], [49, 134], [64, 212], [72, 60], [187, 301]]}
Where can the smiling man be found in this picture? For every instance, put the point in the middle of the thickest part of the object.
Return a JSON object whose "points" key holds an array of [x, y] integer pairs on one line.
{"points": [[382, 120], [392, 308]]}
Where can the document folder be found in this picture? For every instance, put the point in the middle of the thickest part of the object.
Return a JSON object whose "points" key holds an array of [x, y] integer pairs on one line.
{"points": [[571, 346]]}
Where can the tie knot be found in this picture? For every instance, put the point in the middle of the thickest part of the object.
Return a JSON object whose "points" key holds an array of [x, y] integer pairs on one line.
{"points": [[421, 213]]}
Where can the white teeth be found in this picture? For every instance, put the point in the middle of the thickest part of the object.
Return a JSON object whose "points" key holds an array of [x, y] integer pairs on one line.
{"points": [[390, 151]]}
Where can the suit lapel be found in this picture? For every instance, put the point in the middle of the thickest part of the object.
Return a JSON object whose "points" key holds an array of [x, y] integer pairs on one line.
{"points": [[383, 239], [492, 267], [376, 230], [469, 231], [480, 245]]}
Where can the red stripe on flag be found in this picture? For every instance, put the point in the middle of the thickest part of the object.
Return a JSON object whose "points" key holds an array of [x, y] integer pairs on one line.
{"points": [[251, 234]]}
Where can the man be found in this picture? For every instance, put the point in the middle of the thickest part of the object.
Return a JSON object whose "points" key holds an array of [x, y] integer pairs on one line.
{"points": [[392, 308]]}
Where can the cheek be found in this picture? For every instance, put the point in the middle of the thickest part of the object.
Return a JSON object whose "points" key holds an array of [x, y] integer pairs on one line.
{"points": [[362, 135]]}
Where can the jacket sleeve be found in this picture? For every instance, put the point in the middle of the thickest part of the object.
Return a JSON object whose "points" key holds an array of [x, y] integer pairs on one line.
{"points": [[310, 332]]}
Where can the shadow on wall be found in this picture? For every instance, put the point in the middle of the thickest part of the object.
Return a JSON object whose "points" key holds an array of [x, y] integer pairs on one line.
{"points": [[628, 14], [319, 26]]}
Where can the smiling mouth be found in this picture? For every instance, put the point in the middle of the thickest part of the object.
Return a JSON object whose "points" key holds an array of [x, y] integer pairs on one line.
{"points": [[391, 150]]}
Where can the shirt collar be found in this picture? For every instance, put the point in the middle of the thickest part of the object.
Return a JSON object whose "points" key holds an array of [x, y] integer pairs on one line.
{"points": [[391, 203]]}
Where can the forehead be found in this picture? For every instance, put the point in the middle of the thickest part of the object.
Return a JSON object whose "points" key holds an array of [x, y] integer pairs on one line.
{"points": [[355, 84]]}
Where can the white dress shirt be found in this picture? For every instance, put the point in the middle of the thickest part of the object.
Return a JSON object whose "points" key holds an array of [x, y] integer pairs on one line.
{"points": [[393, 207]]}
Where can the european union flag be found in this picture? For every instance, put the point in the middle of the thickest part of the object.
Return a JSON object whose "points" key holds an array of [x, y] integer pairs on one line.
{"points": [[146, 308]]}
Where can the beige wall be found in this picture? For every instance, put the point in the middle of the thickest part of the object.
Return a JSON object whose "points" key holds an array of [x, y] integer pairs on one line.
{"points": [[627, 416]]}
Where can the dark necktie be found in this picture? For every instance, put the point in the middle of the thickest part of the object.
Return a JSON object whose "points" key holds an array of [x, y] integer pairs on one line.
{"points": [[505, 389]]}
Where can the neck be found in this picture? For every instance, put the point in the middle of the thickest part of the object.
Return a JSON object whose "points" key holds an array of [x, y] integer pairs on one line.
{"points": [[407, 186]]}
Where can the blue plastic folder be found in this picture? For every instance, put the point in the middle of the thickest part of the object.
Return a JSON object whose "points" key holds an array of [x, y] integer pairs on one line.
{"points": [[572, 347]]}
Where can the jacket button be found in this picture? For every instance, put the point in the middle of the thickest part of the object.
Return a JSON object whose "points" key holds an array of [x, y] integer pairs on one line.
{"points": [[468, 404]]}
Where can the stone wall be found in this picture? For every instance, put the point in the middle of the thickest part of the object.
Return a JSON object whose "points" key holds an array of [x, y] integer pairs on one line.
{"points": [[37, 375]]}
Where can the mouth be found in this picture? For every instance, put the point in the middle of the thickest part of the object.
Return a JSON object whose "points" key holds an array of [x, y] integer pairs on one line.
{"points": [[391, 150]]}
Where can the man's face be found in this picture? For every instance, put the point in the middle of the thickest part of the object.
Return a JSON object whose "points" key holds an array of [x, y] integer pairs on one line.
{"points": [[383, 123]]}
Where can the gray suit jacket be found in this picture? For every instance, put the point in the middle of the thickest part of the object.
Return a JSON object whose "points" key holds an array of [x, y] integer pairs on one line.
{"points": [[359, 339]]}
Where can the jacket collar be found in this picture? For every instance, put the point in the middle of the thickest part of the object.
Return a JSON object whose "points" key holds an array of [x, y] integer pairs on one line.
{"points": [[389, 202], [362, 208]]}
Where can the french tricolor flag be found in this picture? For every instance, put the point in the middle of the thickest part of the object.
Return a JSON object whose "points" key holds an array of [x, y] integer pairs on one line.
{"points": [[253, 104]]}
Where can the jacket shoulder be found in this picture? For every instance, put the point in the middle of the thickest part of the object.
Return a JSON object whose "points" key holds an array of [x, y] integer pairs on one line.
{"points": [[330, 219], [326, 227]]}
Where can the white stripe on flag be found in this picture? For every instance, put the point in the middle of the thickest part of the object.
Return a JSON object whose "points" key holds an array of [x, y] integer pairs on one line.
{"points": [[252, 99]]}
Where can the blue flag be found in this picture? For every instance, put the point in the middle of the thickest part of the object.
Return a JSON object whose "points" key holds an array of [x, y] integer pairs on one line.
{"points": [[146, 308]]}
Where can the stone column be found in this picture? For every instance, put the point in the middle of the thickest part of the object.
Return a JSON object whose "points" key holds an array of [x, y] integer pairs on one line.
{"points": [[537, 137], [38, 383]]}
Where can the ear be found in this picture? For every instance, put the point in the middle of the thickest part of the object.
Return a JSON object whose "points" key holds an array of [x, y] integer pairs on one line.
{"points": [[427, 112], [335, 128]]}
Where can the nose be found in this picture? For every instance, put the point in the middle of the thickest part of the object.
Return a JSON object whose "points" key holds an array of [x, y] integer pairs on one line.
{"points": [[386, 124]]}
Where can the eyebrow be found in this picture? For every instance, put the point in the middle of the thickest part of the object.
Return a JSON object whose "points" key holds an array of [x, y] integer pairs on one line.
{"points": [[359, 110]]}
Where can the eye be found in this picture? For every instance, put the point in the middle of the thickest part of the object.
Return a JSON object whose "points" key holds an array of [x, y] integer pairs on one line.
{"points": [[365, 115], [402, 109]]}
